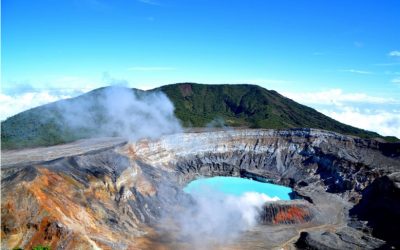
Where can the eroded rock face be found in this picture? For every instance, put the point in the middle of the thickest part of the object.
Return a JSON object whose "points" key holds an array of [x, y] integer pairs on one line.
{"points": [[380, 207], [95, 200], [288, 157], [342, 239], [113, 197], [282, 212]]}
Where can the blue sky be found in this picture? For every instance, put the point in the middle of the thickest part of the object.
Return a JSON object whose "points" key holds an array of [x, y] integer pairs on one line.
{"points": [[341, 57]]}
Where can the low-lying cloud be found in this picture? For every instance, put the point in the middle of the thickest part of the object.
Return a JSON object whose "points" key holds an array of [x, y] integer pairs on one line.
{"points": [[384, 122], [337, 97], [15, 102], [360, 110]]}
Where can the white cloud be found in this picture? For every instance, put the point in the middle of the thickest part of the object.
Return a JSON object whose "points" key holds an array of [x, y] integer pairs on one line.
{"points": [[357, 71], [13, 104], [16, 97], [336, 97], [151, 68], [395, 53], [396, 80], [383, 122], [360, 110], [52, 83]]}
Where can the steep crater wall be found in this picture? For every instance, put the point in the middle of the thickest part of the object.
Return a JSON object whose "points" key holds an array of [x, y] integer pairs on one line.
{"points": [[299, 158], [289, 157], [113, 198]]}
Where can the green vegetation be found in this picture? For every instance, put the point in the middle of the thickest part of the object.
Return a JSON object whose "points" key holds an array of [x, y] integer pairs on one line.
{"points": [[44, 125], [39, 247], [249, 106], [196, 105]]}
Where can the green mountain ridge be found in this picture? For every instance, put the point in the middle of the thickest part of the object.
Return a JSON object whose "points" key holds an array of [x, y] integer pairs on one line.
{"points": [[196, 105]]}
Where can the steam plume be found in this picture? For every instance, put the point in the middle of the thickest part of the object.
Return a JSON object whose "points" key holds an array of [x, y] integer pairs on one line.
{"points": [[119, 111], [215, 218]]}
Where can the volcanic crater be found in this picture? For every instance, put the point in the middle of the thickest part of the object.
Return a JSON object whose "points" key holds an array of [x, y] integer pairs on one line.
{"points": [[111, 194]]}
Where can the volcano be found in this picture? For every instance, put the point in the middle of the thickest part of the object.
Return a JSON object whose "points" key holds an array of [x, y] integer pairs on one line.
{"points": [[195, 105]]}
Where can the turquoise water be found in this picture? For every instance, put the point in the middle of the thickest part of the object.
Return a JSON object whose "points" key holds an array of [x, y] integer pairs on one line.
{"points": [[237, 186]]}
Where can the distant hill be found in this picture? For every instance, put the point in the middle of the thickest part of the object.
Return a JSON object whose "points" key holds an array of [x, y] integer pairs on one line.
{"points": [[196, 105], [250, 106]]}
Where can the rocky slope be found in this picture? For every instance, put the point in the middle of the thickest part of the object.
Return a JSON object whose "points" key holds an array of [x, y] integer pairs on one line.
{"points": [[114, 196]]}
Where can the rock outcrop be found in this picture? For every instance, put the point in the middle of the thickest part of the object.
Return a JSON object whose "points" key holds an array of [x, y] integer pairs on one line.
{"points": [[380, 208], [287, 212], [112, 197], [343, 239]]}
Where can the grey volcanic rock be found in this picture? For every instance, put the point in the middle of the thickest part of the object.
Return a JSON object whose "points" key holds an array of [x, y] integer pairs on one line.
{"points": [[113, 195], [380, 207], [288, 156], [44, 154], [344, 239]]}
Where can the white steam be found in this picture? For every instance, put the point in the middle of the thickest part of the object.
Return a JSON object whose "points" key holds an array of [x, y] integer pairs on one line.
{"points": [[217, 218], [118, 111]]}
